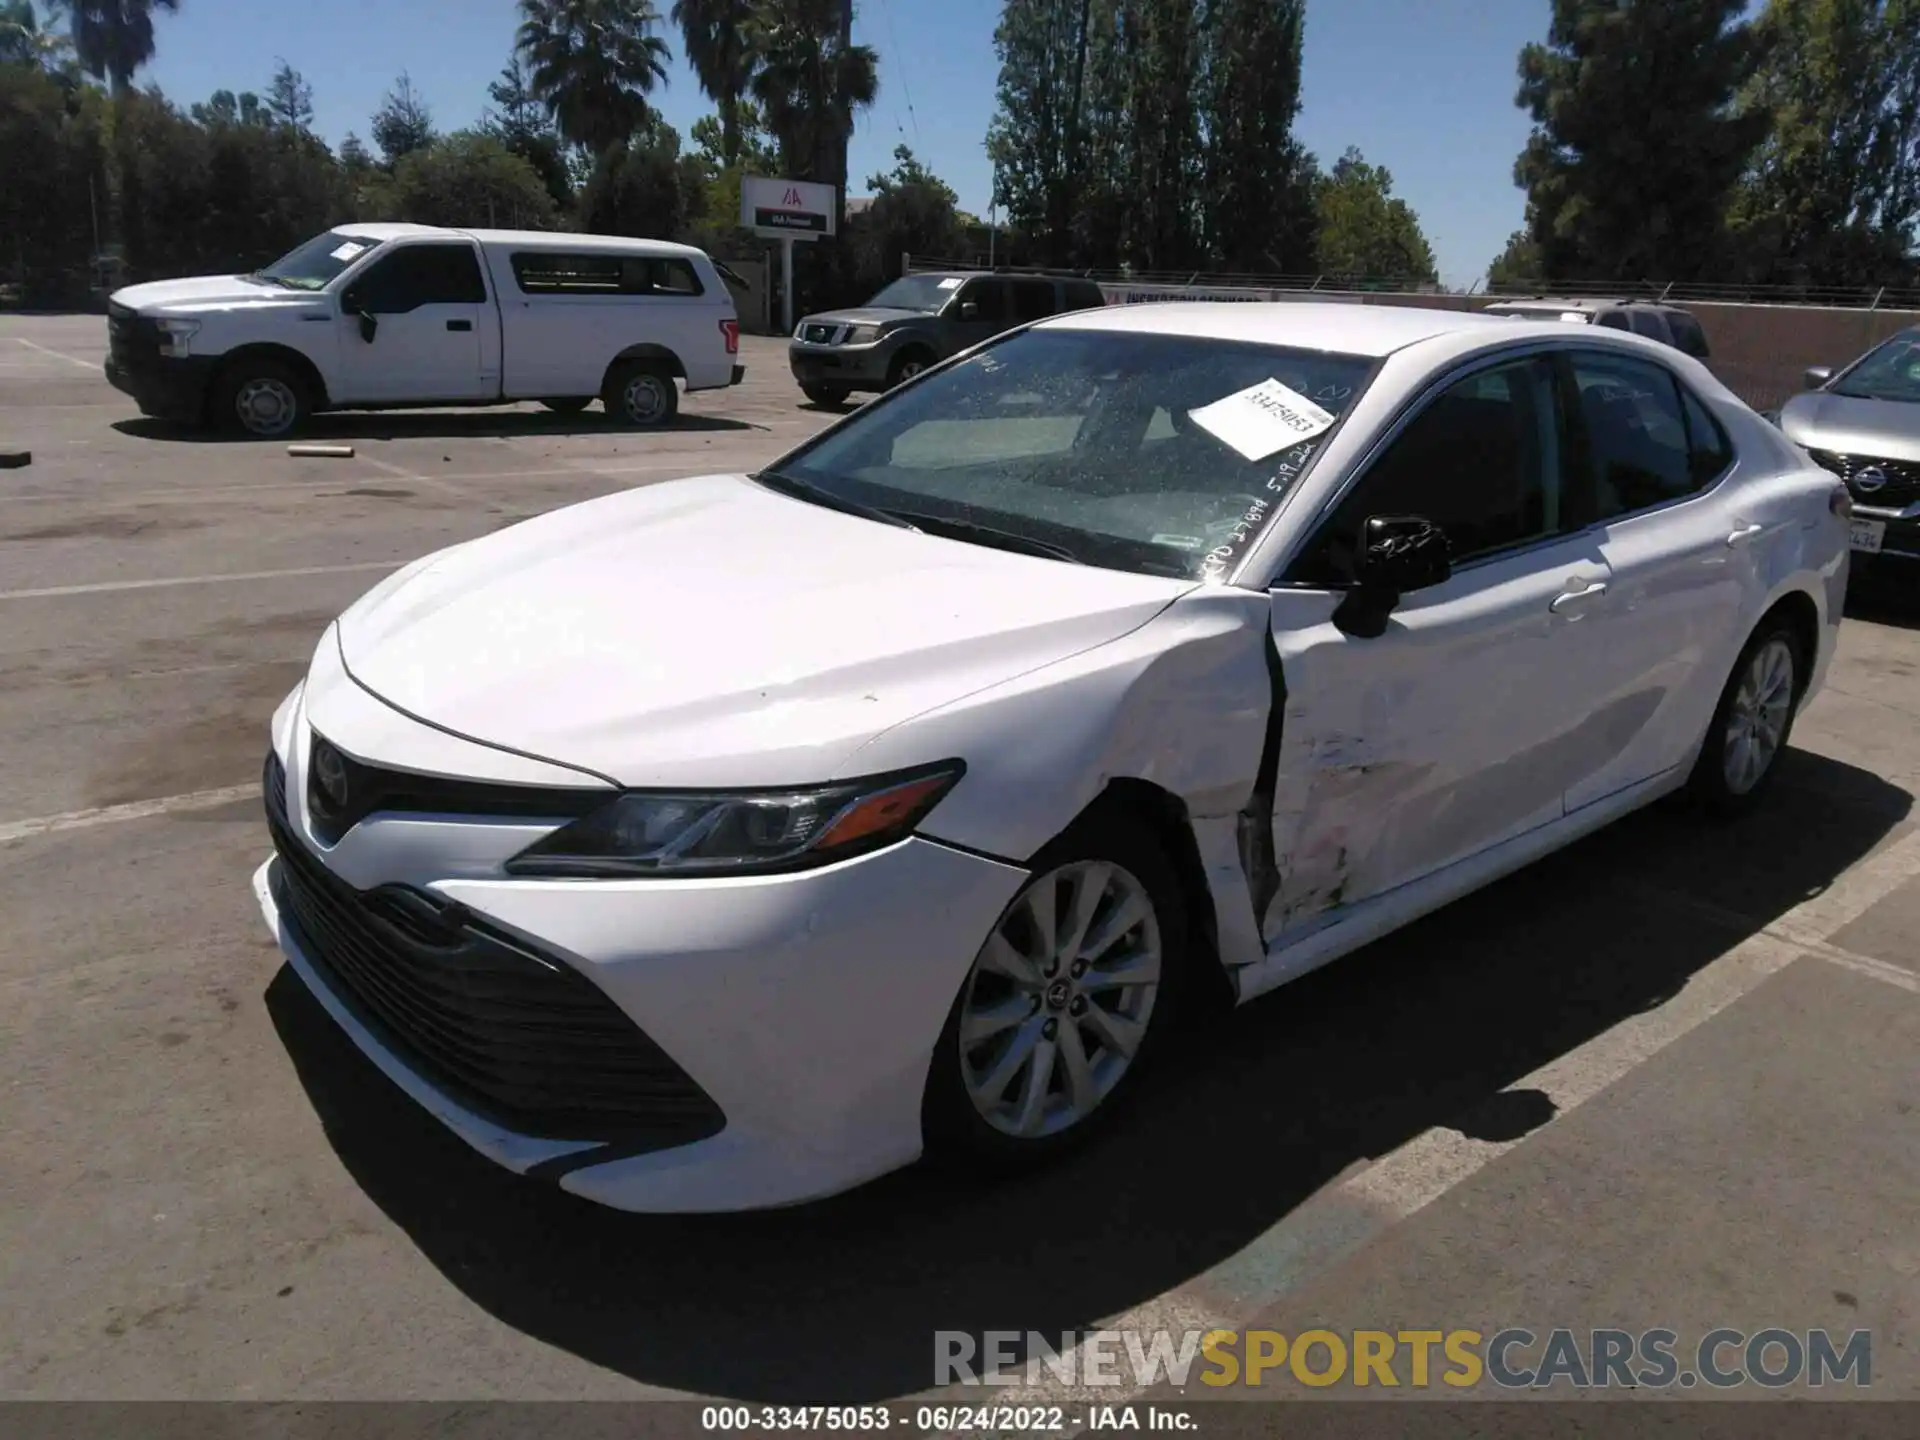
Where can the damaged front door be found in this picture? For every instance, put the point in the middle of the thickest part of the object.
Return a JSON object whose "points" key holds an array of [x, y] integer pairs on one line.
{"points": [[1409, 746]]}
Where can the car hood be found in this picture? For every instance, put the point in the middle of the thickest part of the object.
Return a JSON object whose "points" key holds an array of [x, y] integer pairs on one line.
{"points": [[1821, 420], [209, 292], [712, 632], [867, 315]]}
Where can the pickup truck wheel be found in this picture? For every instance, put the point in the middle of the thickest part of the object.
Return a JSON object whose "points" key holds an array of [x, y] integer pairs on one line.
{"points": [[641, 395], [827, 395], [262, 398], [570, 405]]}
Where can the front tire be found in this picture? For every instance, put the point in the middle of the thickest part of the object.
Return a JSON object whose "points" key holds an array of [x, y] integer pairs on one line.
{"points": [[642, 396], [1752, 723], [263, 399], [1065, 1004], [906, 365]]}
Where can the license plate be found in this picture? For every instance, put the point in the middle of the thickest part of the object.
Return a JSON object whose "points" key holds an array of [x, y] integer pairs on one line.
{"points": [[1867, 535]]}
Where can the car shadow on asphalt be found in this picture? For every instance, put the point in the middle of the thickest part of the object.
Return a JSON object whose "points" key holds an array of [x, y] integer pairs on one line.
{"points": [[429, 425], [1248, 1117], [1884, 597]]}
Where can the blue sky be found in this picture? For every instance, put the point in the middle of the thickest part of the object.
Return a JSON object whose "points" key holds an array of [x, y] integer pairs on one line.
{"points": [[1425, 89]]}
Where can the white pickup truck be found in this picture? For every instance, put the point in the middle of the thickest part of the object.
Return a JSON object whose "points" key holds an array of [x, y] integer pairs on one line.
{"points": [[370, 317]]}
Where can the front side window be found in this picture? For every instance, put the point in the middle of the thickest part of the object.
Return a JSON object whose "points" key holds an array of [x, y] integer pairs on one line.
{"points": [[1890, 372], [1087, 441], [989, 297], [313, 265], [1482, 461], [417, 275], [1613, 320], [1640, 435]]}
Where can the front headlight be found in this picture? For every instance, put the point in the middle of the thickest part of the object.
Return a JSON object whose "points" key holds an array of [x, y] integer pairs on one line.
{"points": [[743, 832], [863, 335], [176, 337]]}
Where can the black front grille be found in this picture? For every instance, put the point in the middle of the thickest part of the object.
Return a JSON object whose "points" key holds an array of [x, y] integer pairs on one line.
{"points": [[1899, 488], [819, 334], [524, 1040], [130, 337], [342, 791]]}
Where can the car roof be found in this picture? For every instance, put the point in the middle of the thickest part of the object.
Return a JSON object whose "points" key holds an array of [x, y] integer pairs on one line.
{"points": [[1340, 327], [527, 239]]}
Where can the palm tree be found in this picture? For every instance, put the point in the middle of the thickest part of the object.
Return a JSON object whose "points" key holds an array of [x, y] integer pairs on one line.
{"points": [[723, 47], [22, 41], [593, 64], [113, 38], [811, 80]]}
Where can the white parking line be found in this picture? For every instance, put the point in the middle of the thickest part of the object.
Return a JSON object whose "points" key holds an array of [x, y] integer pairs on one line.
{"points": [[582, 471], [106, 587], [61, 355], [134, 810]]}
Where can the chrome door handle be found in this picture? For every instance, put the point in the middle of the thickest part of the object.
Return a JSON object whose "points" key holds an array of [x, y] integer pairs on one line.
{"points": [[1744, 534], [1562, 601]]}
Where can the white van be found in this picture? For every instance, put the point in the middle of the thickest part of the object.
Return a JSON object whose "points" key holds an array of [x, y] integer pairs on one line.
{"points": [[371, 317]]}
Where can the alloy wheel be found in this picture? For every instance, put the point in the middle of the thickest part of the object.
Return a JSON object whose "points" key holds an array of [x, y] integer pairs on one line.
{"points": [[1757, 719], [1060, 999]]}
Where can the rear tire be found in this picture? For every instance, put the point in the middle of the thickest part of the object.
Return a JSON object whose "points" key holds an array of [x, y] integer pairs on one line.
{"points": [[1752, 723], [641, 395], [828, 396], [1033, 1059], [569, 405], [263, 399]]}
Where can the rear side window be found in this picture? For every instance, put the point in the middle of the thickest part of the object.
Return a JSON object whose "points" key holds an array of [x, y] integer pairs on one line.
{"points": [[1649, 440], [1080, 295], [1032, 300], [417, 275], [1613, 320], [1687, 335], [540, 273]]}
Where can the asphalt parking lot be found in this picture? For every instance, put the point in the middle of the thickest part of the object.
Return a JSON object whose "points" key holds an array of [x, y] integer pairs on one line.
{"points": [[1666, 1078]]}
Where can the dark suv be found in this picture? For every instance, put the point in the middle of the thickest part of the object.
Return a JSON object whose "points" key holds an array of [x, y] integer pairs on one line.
{"points": [[1668, 324], [918, 320]]}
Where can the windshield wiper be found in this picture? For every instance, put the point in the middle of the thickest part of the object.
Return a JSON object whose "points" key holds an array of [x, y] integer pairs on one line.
{"points": [[819, 494], [989, 535]]}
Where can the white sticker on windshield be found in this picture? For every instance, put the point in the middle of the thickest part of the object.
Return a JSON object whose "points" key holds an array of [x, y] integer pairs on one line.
{"points": [[1263, 419], [950, 283], [350, 249]]}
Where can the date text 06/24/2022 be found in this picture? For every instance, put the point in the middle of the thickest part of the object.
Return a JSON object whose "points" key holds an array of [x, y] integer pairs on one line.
{"points": [[944, 1419]]}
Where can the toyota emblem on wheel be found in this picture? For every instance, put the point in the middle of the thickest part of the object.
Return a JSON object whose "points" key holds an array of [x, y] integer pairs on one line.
{"points": [[1870, 479]]}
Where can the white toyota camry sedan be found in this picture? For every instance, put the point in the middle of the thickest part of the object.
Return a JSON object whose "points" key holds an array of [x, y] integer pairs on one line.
{"points": [[731, 841]]}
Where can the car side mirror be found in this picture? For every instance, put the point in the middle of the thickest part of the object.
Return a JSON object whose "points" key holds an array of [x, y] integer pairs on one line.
{"points": [[353, 303], [1816, 376], [1398, 554], [969, 310]]}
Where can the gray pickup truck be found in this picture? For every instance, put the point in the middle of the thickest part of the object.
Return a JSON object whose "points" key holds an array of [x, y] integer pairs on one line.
{"points": [[917, 321]]}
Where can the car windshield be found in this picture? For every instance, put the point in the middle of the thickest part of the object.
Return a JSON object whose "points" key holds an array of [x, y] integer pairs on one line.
{"points": [[1161, 454], [312, 265], [925, 293], [1891, 372]]}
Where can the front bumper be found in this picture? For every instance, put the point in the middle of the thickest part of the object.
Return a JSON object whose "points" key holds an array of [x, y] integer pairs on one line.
{"points": [[805, 1006], [845, 367], [163, 388]]}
